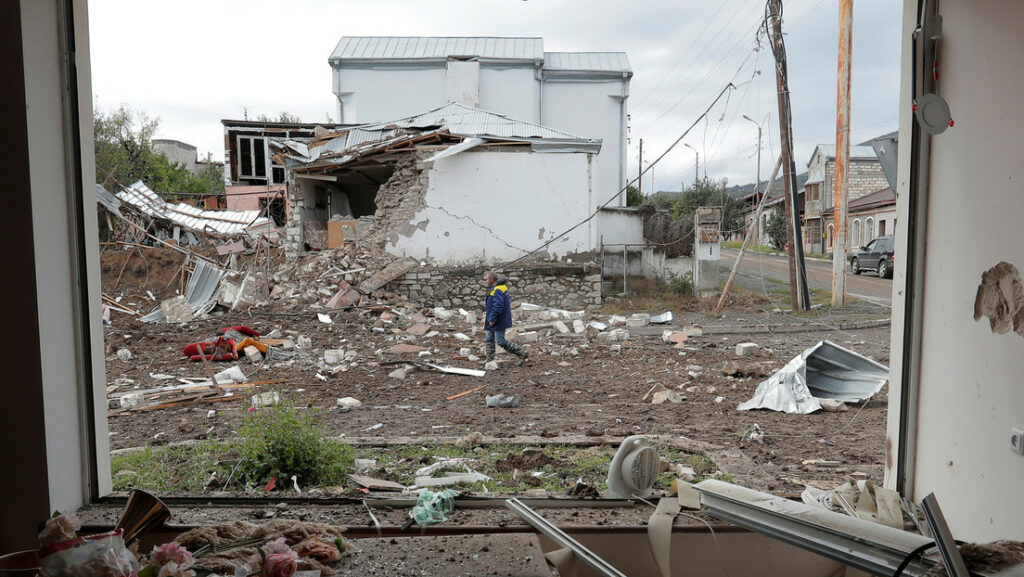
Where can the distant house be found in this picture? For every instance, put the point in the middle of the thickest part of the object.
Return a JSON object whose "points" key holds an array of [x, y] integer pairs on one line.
{"points": [[381, 78], [870, 216], [253, 179], [866, 177]]}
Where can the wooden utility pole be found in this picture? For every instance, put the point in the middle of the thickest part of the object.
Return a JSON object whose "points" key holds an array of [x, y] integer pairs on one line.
{"points": [[842, 185], [799, 296], [640, 169]]}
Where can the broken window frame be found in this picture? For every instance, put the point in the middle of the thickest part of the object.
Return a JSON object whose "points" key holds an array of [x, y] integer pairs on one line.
{"points": [[254, 159]]}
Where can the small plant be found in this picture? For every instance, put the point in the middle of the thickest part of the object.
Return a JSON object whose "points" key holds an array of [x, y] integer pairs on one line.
{"points": [[682, 284], [279, 442]]}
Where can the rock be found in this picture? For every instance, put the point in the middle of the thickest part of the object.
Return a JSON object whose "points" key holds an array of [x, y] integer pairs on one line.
{"points": [[667, 395], [638, 320], [274, 334], [397, 374], [617, 320], [685, 473], [211, 414], [528, 337], [674, 337], [124, 354], [664, 464], [461, 337], [711, 390], [465, 351], [560, 327], [613, 336], [177, 309], [304, 342], [334, 356], [491, 365], [578, 326], [349, 402], [732, 368], [125, 473], [186, 426], [746, 349], [469, 441], [833, 405], [473, 358], [418, 329], [366, 465], [253, 354], [719, 399], [131, 400], [441, 313]]}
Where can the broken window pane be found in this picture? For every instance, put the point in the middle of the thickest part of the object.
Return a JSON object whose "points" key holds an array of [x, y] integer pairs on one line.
{"points": [[259, 157], [245, 156]]}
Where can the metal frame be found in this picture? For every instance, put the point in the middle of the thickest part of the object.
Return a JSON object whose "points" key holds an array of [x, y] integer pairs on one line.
{"points": [[541, 524]]}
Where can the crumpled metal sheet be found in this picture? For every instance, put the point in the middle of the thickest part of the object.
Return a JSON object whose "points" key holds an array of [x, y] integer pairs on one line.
{"points": [[199, 291], [824, 371]]}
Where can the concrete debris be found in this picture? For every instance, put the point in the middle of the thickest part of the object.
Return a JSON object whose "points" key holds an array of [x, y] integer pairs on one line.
{"points": [[177, 310], [747, 349], [527, 337], [452, 479], [334, 357], [578, 326], [418, 329], [442, 314], [349, 403], [719, 399], [502, 401], [131, 400], [833, 405], [253, 354], [560, 327], [233, 375], [469, 441], [268, 399], [304, 342], [324, 318], [638, 320], [664, 318], [124, 354], [491, 365], [465, 351], [676, 338], [1001, 298], [667, 395], [404, 349], [365, 465], [693, 331], [597, 325], [390, 273], [398, 374], [613, 336], [462, 337]]}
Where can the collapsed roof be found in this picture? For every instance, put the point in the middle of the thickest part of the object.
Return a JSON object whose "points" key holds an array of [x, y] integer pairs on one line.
{"points": [[464, 126], [188, 217]]}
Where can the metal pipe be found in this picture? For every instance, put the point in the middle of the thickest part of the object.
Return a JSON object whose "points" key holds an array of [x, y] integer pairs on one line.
{"points": [[542, 525]]}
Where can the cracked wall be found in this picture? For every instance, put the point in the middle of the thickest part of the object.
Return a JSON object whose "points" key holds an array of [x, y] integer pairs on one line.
{"points": [[1001, 298], [488, 206]]}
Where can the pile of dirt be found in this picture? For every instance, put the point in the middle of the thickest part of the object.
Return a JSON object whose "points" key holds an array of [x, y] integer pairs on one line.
{"points": [[531, 459]]}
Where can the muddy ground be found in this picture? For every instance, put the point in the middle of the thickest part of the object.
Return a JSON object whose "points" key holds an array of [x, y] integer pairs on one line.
{"points": [[573, 389]]}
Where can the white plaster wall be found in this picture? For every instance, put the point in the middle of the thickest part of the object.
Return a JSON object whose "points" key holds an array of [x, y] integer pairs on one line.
{"points": [[55, 247], [510, 91], [591, 111], [377, 95], [618, 226], [487, 207], [971, 392]]}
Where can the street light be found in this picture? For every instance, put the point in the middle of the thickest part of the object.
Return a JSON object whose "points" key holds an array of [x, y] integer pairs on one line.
{"points": [[757, 184], [696, 163]]}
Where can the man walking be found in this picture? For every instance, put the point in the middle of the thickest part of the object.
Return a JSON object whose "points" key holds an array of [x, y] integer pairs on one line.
{"points": [[498, 317]]}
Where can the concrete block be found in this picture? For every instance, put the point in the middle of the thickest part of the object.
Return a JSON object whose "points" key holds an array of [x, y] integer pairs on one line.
{"points": [[124, 354], [334, 356], [638, 320], [177, 310], [578, 326], [560, 327], [349, 402], [746, 349], [304, 342], [528, 337], [397, 374], [253, 354], [265, 399]]}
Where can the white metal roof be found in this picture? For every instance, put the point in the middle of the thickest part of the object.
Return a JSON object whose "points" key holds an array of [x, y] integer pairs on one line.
{"points": [[856, 152], [225, 222], [455, 118], [587, 61], [421, 47]]}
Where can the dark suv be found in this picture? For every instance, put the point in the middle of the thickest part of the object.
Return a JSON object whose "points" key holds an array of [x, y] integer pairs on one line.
{"points": [[876, 256]]}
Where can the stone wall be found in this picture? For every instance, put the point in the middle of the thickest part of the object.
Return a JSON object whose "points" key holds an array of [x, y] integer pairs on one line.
{"points": [[570, 287]]}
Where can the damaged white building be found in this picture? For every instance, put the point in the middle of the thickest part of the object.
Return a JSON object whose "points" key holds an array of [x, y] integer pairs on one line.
{"points": [[454, 185]]}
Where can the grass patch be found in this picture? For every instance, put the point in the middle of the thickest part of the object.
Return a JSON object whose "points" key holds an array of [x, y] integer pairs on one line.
{"points": [[649, 294], [187, 469]]}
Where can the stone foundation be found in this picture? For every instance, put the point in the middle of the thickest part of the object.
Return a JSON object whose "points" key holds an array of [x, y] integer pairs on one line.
{"points": [[570, 287]]}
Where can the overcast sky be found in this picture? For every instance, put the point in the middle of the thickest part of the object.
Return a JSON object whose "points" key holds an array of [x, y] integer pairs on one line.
{"points": [[193, 63]]}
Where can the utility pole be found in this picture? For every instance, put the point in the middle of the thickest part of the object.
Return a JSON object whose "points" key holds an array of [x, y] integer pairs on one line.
{"points": [[799, 296], [842, 188], [640, 168], [757, 182]]}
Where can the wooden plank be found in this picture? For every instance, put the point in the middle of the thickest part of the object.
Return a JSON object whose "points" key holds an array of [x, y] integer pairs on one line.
{"points": [[464, 393], [375, 484]]}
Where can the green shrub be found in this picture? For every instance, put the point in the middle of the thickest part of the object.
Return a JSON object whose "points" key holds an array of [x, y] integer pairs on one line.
{"points": [[682, 284], [280, 442]]}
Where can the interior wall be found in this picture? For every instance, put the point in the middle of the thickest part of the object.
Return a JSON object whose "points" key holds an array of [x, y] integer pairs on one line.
{"points": [[970, 394], [478, 205]]}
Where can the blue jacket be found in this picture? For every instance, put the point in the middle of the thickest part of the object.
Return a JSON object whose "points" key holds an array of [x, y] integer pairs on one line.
{"points": [[499, 309]]}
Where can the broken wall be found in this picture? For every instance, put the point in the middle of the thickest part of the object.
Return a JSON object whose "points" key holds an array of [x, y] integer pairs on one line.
{"points": [[491, 206], [570, 287]]}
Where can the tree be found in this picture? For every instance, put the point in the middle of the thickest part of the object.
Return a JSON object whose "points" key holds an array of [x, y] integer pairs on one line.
{"points": [[775, 228], [287, 117], [124, 152], [710, 193], [633, 196]]}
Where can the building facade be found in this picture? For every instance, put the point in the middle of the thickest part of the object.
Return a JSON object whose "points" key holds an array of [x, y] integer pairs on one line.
{"points": [[582, 93], [866, 177]]}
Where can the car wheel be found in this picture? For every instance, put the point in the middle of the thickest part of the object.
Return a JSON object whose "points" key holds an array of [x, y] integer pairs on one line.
{"points": [[883, 269], [855, 266]]}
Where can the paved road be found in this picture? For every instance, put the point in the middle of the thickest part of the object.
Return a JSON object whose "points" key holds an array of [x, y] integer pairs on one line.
{"points": [[773, 272]]}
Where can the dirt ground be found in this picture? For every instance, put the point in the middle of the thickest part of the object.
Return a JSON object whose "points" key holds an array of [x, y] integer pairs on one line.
{"points": [[573, 389]]}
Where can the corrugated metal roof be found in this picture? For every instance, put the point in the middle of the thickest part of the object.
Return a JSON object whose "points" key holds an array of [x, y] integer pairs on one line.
{"points": [[455, 118], [202, 285], [587, 61], [224, 222], [420, 47], [856, 152], [108, 200]]}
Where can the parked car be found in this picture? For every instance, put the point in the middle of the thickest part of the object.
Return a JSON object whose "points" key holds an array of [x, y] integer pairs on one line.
{"points": [[877, 255]]}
